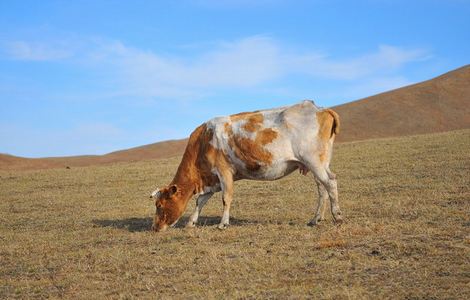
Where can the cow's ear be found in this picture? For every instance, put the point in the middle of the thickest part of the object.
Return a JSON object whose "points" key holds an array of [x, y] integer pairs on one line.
{"points": [[172, 190]]}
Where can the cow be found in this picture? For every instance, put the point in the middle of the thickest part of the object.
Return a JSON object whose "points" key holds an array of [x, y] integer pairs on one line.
{"points": [[260, 145]]}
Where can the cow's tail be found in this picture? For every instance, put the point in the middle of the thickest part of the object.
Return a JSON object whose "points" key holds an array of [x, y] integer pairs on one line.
{"points": [[328, 121], [329, 125], [336, 124]]}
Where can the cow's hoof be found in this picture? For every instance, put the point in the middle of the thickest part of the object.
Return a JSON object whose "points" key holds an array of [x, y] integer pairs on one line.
{"points": [[222, 226], [338, 220], [313, 223], [190, 225]]}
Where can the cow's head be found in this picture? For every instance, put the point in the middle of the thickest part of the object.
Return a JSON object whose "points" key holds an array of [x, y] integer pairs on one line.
{"points": [[168, 207]]}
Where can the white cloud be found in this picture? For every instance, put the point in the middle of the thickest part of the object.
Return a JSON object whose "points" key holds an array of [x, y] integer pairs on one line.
{"points": [[245, 63], [22, 50], [385, 59], [248, 63]]}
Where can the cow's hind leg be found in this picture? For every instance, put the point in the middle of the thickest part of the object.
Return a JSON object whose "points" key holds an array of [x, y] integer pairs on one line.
{"points": [[328, 180], [200, 202], [320, 209]]}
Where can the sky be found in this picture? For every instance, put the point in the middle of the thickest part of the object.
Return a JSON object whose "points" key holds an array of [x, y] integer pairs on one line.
{"points": [[92, 77]]}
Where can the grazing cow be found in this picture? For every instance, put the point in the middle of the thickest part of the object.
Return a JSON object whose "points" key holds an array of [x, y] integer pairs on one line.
{"points": [[260, 145]]}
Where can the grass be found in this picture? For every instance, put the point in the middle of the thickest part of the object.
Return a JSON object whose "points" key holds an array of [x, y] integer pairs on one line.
{"points": [[84, 232]]}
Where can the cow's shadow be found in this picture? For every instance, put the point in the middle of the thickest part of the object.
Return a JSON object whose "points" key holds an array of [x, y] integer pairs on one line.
{"points": [[215, 220], [145, 224], [130, 224]]}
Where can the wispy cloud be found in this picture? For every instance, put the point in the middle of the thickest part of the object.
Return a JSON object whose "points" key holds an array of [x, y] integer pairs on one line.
{"points": [[385, 59], [30, 51], [247, 63]]}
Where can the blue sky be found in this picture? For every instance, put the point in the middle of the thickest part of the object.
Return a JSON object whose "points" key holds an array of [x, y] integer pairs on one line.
{"points": [[91, 77]]}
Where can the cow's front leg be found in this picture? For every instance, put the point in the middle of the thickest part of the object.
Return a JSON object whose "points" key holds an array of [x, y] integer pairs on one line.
{"points": [[226, 181], [200, 202]]}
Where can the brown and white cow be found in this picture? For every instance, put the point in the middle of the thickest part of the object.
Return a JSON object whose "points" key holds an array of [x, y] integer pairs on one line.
{"points": [[261, 145]]}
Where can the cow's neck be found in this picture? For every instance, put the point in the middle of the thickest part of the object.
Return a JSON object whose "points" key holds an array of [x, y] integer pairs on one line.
{"points": [[188, 178]]}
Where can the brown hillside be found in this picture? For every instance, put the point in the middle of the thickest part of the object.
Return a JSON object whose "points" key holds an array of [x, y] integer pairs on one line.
{"points": [[437, 105], [153, 151]]}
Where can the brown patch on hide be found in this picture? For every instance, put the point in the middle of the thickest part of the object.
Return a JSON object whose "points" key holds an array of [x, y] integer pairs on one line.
{"points": [[265, 136], [252, 152], [253, 122], [323, 154], [242, 116]]}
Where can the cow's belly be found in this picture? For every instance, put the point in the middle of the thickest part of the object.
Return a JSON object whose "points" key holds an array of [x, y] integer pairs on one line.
{"points": [[275, 171]]}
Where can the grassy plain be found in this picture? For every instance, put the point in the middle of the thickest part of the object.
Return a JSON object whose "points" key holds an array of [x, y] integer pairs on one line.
{"points": [[84, 232]]}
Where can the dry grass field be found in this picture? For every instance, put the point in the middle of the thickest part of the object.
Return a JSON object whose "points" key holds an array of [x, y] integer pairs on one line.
{"points": [[83, 233]]}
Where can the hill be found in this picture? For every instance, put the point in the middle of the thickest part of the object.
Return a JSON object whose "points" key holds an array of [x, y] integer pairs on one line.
{"points": [[158, 150], [437, 105]]}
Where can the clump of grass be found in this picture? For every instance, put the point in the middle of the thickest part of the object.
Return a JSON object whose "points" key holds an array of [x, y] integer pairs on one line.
{"points": [[322, 244], [84, 232]]}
